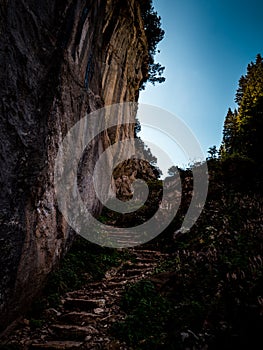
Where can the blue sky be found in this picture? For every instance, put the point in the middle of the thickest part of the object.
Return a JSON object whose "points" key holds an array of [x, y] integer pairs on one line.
{"points": [[207, 46]]}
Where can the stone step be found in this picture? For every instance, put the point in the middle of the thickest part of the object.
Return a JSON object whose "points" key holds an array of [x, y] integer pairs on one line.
{"points": [[81, 294], [84, 319], [127, 242], [136, 272], [83, 304], [144, 265], [143, 252], [78, 296], [138, 265], [123, 236], [56, 345], [124, 279], [128, 279], [113, 285], [146, 260], [79, 318], [94, 285], [72, 332], [105, 294]]}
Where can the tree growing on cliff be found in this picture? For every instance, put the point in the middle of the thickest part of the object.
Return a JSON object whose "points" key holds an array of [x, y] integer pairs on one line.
{"points": [[154, 34]]}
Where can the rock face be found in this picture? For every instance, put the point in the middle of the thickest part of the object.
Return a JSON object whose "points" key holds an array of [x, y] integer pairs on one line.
{"points": [[127, 172], [58, 61]]}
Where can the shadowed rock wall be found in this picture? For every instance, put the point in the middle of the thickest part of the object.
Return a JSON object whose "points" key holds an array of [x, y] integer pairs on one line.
{"points": [[58, 61]]}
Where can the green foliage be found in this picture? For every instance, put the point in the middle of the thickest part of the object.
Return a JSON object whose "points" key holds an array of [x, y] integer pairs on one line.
{"points": [[148, 316], [35, 324], [243, 127], [84, 257], [137, 128], [152, 27], [230, 132], [164, 266], [221, 270], [154, 34], [213, 153], [155, 73]]}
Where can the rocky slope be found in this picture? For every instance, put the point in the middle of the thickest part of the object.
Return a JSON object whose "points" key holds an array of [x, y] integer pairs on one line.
{"points": [[58, 61]]}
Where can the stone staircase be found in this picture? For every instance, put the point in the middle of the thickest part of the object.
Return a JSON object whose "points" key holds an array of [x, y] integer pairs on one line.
{"points": [[86, 315]]}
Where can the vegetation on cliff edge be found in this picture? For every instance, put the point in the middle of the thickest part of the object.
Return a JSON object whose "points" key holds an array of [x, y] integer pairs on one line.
{"points": [[154, 34]]}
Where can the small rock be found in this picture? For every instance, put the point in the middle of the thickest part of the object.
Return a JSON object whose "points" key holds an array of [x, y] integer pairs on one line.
{"points": [[92, 330], [81, 304], [98, 310], [52, 313], [26, 321]]}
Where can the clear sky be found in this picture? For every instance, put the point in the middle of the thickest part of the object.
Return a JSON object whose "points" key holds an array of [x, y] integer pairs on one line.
{"points": [[207, 47]]}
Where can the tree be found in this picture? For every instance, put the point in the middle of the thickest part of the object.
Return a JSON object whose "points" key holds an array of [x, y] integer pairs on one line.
{"points": [[229, 133], [155, 73], [137, 127], [154, 34], [250, 112], [213, 152], [243, 128]]}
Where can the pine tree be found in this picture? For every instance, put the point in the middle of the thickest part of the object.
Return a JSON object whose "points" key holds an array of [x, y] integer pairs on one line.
{"points": [[243, 128], [250, 118], [229, 133]]}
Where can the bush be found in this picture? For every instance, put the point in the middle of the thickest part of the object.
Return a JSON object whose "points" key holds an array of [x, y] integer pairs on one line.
{"points": [[148, 315]]}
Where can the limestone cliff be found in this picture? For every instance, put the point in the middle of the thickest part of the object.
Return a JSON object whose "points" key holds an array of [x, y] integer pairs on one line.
{"points": [[58, 61]]}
